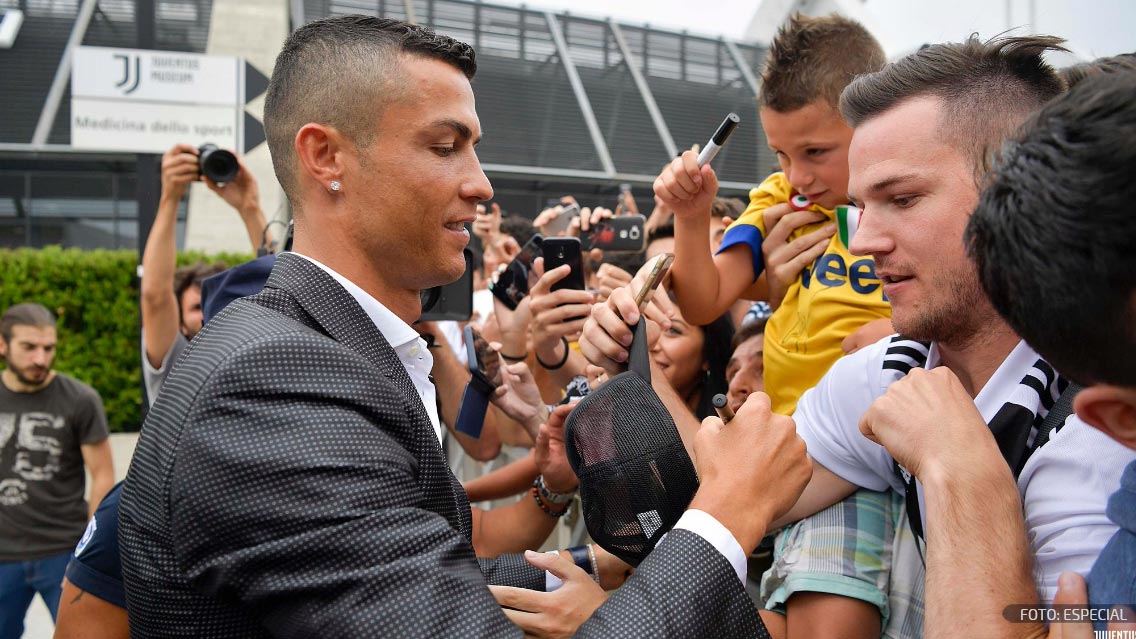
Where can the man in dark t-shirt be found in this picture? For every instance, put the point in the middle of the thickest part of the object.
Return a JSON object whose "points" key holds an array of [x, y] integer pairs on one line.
{"points": [[51, 426]]}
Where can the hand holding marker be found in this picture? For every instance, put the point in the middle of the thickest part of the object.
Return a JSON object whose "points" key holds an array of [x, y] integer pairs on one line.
{"points": [[718, 139], [721, 404]]}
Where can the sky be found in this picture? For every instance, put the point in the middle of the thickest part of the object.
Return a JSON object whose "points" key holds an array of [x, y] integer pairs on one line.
{"points": [[1092, 27]]}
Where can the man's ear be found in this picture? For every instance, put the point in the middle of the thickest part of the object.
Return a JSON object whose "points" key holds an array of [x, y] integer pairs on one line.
{"points": [[321, 151], [1111, 409]]}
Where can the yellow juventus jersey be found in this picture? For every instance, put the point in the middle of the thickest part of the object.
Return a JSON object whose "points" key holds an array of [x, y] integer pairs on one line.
{"points": [[832, 298]]}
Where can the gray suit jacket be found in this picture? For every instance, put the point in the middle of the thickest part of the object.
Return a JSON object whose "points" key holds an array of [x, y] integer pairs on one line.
{"points": [[288, 483]]}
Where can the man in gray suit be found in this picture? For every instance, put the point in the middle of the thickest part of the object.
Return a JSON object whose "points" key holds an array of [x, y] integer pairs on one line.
{"points": [[289, 480]]}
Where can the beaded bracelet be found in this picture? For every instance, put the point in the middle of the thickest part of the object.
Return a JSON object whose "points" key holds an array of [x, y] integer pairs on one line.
{"points": [[550, 496], [548, 511], [561, 363]]}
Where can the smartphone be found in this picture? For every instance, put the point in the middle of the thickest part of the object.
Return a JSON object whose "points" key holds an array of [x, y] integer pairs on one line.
{"points": [[513, 283], [484, 366], [562, 221], [559, 251], [483, 362], [621, 234], [658, 271], [452, 302]]}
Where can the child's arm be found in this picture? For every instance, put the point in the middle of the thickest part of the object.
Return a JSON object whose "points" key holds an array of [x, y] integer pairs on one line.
{"points": [[704, 285]]}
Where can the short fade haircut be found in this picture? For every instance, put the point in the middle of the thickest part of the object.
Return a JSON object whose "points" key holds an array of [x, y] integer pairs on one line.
{"points": [[26, 314], [1125, 62], [987, 88], [814, 59], [337, 72], [1052, 234]]}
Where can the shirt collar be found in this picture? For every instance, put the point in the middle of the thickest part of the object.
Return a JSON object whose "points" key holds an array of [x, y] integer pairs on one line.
{"points": [[1002, 383], [397, 332]]}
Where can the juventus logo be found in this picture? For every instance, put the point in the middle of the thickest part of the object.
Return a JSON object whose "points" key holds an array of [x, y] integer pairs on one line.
{"points": [[130, 76]]}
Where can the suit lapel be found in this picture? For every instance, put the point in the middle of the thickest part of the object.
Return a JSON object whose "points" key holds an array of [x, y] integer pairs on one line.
{"points": [[342, 319]]}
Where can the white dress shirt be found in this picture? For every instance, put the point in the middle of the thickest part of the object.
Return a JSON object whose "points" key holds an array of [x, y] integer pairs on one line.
{"points": [[405, 341]]}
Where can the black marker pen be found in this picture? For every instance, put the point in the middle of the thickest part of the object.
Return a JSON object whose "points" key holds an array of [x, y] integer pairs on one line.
{"points": [[711, 149], [721, 404]]}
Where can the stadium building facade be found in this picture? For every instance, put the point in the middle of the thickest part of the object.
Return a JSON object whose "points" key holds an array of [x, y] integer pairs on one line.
{"points": [[568, 104]]}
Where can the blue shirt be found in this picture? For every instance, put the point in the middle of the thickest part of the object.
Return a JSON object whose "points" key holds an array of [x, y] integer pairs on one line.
{"points": [[95, 566], [1113, 577]]}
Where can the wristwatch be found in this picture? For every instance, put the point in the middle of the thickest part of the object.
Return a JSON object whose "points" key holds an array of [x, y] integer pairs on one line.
{"points": [[549, 496]]}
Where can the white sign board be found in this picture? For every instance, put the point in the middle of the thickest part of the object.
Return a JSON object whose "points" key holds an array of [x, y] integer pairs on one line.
{"points": [[147, 101]]}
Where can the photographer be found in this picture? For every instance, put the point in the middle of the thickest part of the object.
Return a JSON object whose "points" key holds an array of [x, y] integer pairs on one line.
{"points": [[171, 300]]}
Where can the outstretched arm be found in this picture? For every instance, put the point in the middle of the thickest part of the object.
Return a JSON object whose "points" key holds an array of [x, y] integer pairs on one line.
{"points": [[161, 320], [704, 285]]}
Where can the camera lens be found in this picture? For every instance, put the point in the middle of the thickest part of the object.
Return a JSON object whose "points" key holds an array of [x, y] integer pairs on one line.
{"points": [[217, 164]]}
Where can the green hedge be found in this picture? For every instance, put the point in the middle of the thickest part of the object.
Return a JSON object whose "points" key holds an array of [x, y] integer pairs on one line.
{"points": [[95, 296]]}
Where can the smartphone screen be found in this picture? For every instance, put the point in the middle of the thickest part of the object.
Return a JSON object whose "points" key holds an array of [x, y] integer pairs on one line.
{"points": [[565, 250], [513, 283]]}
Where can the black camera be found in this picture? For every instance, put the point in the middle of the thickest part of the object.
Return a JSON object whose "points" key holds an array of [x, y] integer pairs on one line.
{"points": [[217, 164]]}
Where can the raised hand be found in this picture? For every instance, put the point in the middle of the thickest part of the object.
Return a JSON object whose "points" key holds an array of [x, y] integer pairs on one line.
{"points": [[556, 314], [519, 397], [686, 189], [179, 169], [550, 455]]}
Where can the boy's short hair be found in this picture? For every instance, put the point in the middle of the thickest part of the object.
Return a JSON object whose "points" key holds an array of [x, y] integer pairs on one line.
{"points": [[813, 59], [987, 89], [1052, 234], [26, 314]]}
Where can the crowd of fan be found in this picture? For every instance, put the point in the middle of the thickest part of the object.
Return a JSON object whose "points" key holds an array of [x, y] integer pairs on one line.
{"points": [[939, 495]]}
